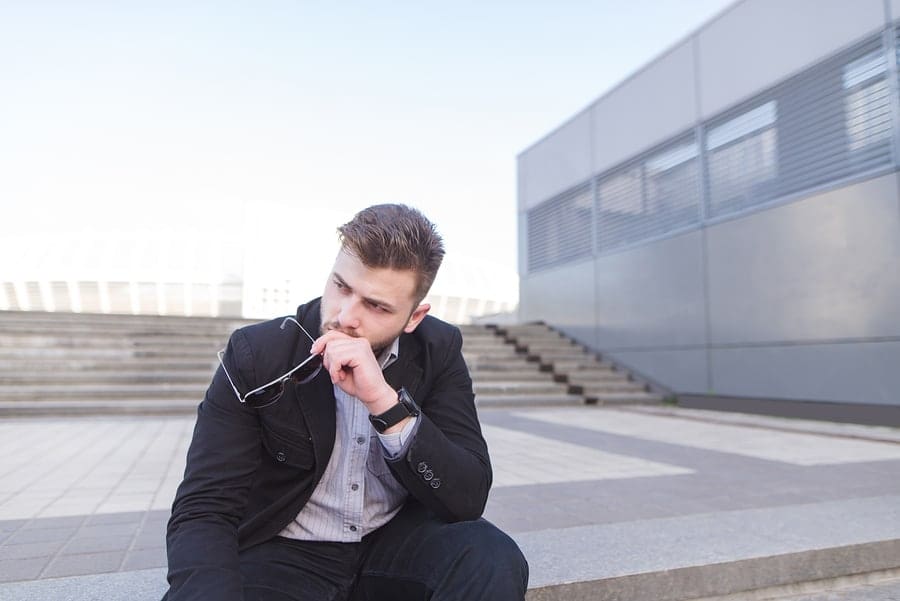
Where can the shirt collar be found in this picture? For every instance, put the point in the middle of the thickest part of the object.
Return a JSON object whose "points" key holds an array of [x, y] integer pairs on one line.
{"points": [[390, 354]]}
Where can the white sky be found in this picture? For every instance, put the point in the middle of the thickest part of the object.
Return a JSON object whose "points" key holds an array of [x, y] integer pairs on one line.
{"points": [[136, 118]]}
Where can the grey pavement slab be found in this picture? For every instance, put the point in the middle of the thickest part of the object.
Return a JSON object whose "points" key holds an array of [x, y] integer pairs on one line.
{"points": [[137, 585], [613, 550], [581, 488]]}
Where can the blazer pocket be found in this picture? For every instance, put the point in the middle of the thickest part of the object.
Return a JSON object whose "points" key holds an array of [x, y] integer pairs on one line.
{"points": [[288, 451]]}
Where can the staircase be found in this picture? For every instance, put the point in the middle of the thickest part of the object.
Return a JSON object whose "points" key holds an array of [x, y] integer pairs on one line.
{"points": [[584, 373], [71, 363], [503, 377]]}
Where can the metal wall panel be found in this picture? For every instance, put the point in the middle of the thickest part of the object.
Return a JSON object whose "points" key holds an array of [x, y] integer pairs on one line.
{"points": [[556, 163], [652, 295], [821, 268], [634, 116], [855, 373], [683, 370], [562, 297], [759, 42]]}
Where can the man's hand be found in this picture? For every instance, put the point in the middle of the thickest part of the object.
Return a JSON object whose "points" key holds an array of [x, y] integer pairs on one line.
{"points": [[355, 370]]}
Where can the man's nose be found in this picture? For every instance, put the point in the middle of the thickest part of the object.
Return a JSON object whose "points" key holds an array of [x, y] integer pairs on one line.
{"points": [[349, 315]]}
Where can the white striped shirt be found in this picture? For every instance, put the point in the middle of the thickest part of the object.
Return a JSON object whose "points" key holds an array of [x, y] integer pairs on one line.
{"points": [[357, 492]]}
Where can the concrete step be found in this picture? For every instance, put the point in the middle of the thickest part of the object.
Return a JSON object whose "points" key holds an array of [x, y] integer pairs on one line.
{"points": [[622, 398], [65, 317], [40, 363], [711, 555], [102, 377], [513, 388], [527, 400], [748, 554], [88, 392], [568, 365], [106, 330], [612, 386], [504, 361], [120, 341], [67, 407], [492, 352], [597, 375], [513, 373]]}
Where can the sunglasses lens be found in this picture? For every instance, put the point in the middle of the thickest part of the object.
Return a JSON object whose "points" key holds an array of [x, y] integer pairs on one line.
{"points": [[308, 370], [265, 396]]}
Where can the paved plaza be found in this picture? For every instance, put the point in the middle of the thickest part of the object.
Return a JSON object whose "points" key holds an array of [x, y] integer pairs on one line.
{"points": [[91, 495]]}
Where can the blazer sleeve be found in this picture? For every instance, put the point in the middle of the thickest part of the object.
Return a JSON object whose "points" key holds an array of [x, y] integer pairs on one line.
{"points": [[202, 533], [446, 465]]}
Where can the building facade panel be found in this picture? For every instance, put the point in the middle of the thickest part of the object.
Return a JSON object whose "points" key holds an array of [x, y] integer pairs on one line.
{"points": [[822, 268], [652, 295], [682, 370], [757, 43], [851, 373], [564, 298], [633, 116], [557, 162]]}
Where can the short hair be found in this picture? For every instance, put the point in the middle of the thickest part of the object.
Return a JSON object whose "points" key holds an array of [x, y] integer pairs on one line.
{"points": [[395, 236]]}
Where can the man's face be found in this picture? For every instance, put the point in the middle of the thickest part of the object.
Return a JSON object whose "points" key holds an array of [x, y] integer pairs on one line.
{"points": [[375, 304]]}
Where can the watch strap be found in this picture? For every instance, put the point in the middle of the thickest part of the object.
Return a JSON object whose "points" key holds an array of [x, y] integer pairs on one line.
{"points": [[404, 408]]}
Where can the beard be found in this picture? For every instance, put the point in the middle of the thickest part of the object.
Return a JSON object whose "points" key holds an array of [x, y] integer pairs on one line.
{"points": [[378, 346]]}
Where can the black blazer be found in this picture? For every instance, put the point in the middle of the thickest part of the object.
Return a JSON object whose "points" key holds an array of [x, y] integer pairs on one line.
{"points": [[250, 471]]}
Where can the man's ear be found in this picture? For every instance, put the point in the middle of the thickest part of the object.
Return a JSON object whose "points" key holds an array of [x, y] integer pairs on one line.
{"points": [[416, 318]]}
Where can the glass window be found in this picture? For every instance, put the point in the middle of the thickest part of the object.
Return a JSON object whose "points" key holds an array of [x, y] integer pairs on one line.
{"points": [[742, 159]]}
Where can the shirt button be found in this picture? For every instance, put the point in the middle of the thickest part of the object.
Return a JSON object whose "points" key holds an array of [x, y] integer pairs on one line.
{"points": [[352, 528], [354, 486], [428, 475], [422, 467], [280, 457], [436, 483], [360, 440]]}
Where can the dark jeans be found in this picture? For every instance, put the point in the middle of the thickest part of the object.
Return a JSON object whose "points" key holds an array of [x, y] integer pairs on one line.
{"points": [[413, 558]]}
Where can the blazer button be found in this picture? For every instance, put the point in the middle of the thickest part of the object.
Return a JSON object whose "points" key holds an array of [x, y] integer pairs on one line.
{"points": [[436, 483], [422, 467], [428, 475], [280, 457]]}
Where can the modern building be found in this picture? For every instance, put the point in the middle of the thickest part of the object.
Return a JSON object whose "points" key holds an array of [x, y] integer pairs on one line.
{"points": [[726, 221]]}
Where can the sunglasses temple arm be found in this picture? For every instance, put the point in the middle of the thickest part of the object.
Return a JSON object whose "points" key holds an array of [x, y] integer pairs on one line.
{"points": [[291, 319], [230, 381]]}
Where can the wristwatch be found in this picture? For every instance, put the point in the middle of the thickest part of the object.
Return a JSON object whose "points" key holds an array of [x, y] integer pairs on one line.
{"points": [[404, 408]]}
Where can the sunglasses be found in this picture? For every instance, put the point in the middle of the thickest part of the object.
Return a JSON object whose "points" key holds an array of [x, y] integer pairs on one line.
{"points": [[267, 394]]}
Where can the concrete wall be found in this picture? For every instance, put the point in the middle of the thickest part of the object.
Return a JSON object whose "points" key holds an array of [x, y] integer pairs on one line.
{"points": [[799, 300]]}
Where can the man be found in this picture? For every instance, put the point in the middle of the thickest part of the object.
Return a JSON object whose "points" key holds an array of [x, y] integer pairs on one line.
{"points": [[350, 466]]}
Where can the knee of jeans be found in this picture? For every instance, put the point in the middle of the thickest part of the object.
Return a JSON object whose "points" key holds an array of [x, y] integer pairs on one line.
{"points": [[485, 542]]}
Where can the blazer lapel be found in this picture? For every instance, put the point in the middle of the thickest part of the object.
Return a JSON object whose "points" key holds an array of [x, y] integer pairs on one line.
{"points": [[405, 371], [316, 398]]}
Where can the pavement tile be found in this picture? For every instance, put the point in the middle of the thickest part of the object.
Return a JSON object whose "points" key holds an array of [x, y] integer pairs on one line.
{"points": [[55, 522], [12, 570], [9, 526], [30, 550], [84, 563], [115, 518], [149, 539], [115, 529], [98, 544], [41, 535]]}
